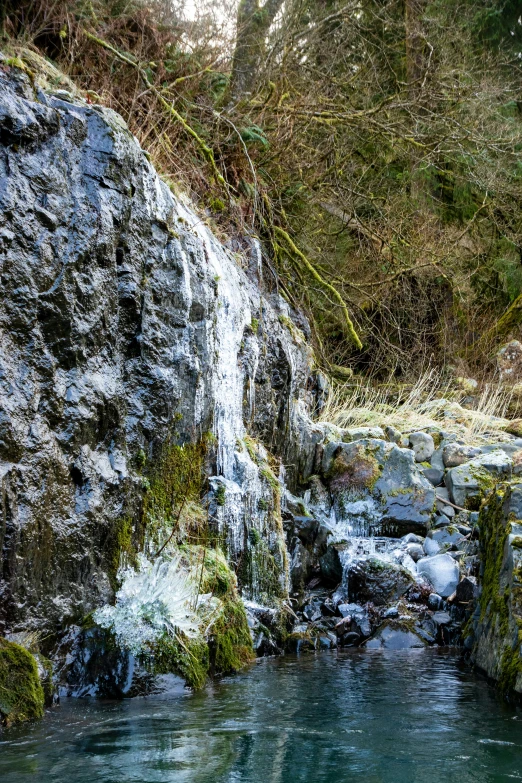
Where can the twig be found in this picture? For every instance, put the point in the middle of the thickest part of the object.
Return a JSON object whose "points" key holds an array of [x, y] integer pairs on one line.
{"points": [[449, 503]]}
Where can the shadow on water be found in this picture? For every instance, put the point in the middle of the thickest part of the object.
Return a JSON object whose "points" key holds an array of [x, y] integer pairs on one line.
{"points": [[379, 717]]}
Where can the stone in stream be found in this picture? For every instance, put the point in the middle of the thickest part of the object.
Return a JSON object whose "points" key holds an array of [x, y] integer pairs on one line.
{"points": [[379, 581], [394, 637], [350, 639], [422, 445], [442, 572]]}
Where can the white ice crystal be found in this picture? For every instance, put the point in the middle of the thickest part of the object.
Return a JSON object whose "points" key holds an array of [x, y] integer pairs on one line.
{"points": [[154, 599]]}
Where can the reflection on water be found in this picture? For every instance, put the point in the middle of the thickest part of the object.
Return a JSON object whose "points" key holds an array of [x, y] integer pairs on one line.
{"points": [[396, 717]]}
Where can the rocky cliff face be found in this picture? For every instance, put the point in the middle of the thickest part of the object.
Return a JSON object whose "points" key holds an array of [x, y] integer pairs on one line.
{"points": [[497, 623], [124, 324]]}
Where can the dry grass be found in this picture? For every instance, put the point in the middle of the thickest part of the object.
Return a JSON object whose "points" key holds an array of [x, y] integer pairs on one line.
{"points": [[430, 403]]}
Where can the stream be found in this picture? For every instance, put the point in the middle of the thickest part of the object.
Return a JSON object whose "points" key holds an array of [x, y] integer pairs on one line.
{"points": [[415, 716]]}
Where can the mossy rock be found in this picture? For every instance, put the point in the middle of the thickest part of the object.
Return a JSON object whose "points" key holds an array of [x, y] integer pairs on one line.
{"points": [[21, 693], [229, 645]]}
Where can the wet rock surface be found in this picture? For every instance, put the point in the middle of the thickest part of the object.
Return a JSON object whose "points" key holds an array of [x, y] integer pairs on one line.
{"points": [[123, 323]]}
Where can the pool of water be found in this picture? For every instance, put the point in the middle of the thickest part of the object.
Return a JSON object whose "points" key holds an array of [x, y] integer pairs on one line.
{"points": [[397, 717]]}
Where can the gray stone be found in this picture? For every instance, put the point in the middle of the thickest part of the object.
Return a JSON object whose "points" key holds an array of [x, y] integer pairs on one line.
{"points": [[377, 580], [412, 538], [391, 638], [393, 435], [391, 612], [312, 612], [331, 563], [431, 547], [435, 601], [442, 495], [358, 433], [467, 590], [441, 521], [300, 567], [415, 551], [423, 446], [441, 572], [446, 537], [441, 618], [350, 639], [434, 476], [455, 454], [468, 482], [436, 460]]}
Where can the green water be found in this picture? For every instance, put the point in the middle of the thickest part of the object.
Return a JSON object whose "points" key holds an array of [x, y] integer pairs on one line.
{"points": [[399, 717]]}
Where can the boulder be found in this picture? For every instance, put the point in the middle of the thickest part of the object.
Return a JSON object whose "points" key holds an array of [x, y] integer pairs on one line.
{"points": [[394, 637], [380, 472], [300, 567], [377, 580], [423, 446], [467, 590], [467, 483], [332, 563], [454, 454], [442, 572]]}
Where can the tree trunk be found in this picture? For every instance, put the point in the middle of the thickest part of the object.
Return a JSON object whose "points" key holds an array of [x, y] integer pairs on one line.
{"points": [[253, 23]]}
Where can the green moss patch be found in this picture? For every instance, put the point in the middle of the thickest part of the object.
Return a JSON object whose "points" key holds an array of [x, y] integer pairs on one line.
{"points": [[21, 693]]}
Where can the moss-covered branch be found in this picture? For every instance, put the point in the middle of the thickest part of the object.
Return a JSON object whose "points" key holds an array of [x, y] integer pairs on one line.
{"points": [[205, 149], [295, 254]]}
